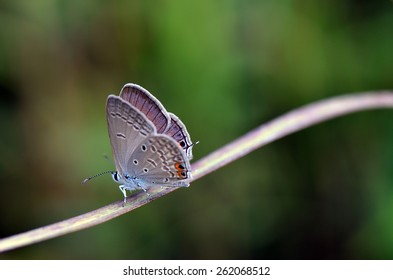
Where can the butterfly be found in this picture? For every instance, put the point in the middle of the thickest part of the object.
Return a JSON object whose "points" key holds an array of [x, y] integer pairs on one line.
{"points": [[151, 147]]}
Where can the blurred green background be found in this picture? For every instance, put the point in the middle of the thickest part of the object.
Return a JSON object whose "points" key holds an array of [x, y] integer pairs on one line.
{"points": [[224, 67]]}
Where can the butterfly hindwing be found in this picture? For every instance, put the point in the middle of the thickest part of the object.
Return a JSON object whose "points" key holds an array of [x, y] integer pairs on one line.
{"points": [[177, 130], [159, 161]]}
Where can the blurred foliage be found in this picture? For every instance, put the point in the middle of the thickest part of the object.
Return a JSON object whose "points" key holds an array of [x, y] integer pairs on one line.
{"points": [[224, 67]]}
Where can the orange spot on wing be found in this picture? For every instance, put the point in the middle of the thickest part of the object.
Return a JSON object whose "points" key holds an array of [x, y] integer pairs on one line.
{"points": [[181, 170]]}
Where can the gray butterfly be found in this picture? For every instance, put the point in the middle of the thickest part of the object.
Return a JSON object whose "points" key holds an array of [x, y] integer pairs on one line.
{"points": [[151, 147]]}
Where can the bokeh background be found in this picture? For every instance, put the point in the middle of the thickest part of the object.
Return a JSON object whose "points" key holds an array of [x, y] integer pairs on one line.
{"points": [[224, 67]]}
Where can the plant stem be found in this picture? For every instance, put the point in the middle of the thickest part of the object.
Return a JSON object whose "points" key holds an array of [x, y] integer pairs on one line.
{"points": [[291, 122]]}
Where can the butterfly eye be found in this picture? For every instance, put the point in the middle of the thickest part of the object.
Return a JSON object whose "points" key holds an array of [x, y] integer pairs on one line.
{"points": [[115, 177]]}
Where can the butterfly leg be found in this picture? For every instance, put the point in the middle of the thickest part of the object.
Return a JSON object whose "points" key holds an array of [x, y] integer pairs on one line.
{"points": [[123, 190]]}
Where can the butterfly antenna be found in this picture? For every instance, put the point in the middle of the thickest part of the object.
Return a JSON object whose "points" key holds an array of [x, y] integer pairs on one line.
{"points": [[99, 174]]}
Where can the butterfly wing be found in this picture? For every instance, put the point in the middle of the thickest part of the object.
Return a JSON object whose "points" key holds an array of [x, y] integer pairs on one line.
{"points": [[166, 123], [145, 102], [159, 161], [177, 130], [127, 128]]}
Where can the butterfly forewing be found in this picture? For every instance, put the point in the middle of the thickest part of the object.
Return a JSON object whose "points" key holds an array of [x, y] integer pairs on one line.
{"points": [[127, 129], [145, 102], [166, 123]]}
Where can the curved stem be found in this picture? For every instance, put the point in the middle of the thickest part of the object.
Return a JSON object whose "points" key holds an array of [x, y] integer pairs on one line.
{"points": [[290, 122]]}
